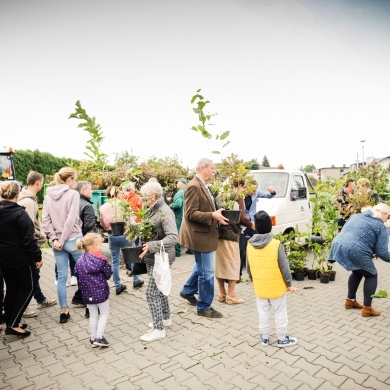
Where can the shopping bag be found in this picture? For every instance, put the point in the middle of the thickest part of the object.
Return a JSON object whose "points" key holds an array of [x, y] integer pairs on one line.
{"points": [[162, 272]]}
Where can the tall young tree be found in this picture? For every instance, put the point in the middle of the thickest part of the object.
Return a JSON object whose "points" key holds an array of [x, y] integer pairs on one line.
{"points": [[265, 162]]}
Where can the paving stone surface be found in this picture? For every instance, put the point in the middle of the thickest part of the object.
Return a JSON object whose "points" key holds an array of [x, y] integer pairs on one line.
{"points": [[337, 348]]}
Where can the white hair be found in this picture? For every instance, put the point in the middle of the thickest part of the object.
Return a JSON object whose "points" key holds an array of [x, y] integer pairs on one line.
{"points": [[151, 187], [129, 186], [377, 210], [203, 162]]}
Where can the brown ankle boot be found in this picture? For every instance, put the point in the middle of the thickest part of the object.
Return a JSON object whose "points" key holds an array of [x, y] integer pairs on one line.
{"points": [[368, 311], [352, 304]]}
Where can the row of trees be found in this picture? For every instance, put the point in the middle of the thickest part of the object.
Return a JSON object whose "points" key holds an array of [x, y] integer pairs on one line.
{"points": [[166, 170]]}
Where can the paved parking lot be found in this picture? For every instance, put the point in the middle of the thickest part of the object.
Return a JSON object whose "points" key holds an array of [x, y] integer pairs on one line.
{"points": [[337, 349]]}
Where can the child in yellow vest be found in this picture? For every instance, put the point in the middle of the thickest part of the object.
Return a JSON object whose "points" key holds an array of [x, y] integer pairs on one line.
{"points": [[271, 279]]}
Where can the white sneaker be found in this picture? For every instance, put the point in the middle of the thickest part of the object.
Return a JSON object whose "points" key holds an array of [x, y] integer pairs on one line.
{"points": [[287, 342], [73, 281], [29, 314], [67, 284], [46, 303], [153, 335], [264, 342], [166, 323]]}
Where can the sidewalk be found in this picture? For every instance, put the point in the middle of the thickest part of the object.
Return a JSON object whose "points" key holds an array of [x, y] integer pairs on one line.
{"points": [[337, 348]]}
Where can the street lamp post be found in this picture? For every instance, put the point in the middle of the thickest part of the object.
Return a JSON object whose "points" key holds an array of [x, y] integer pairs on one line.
{"points": [[362, 142]]}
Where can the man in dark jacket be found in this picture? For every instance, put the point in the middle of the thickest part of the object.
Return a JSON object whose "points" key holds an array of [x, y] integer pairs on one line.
{"points": [[87, 212]]}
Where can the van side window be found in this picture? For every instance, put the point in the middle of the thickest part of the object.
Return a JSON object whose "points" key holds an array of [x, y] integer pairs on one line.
{"points": [[298, 187]]}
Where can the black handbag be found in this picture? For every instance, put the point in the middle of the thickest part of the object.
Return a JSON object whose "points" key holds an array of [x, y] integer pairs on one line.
{"points": [[139, 269]]}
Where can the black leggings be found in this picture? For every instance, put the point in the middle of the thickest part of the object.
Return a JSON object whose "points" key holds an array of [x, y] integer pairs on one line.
{"points": [[369, 287], [20, 283]]}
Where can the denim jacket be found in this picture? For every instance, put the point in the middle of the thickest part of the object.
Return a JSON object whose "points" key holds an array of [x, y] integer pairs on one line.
{"points": [[258, 194], [362, 237]]}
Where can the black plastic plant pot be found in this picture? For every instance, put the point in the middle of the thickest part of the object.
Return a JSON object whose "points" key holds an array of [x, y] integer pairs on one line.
{"points": [[117, 228], [232, 215], [131, 254], [324, 278], [299, 276]]}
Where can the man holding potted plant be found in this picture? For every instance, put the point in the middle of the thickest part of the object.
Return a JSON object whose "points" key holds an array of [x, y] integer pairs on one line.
{"points": [[252, 193], [110, 212], [178, 207], [199, 232]]}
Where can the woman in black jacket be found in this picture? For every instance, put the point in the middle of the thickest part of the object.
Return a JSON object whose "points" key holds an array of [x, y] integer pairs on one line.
{"points": [[19, 256]]}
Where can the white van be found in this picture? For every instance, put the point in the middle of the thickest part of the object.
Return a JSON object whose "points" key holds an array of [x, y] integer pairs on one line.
{"points": [[290, 207]]}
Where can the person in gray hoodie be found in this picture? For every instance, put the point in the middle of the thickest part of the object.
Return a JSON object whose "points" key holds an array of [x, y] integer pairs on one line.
{"points": [[61, 223], [28, 199]]}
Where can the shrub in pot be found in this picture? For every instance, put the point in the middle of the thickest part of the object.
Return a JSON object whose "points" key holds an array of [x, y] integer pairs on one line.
{"points": [[121, 209], [229, 184], [326, 215], [295, 252], [138, 233]]}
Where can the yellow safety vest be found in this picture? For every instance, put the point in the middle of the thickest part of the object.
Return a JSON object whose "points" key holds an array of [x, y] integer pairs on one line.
{"points": [[268, 281]]}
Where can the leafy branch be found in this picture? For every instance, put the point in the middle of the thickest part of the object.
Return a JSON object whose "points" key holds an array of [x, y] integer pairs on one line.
{"points": [[96, 135], [204, 119]]}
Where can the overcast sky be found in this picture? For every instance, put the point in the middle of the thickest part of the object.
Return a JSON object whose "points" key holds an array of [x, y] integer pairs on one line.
{"points": [[300, 81]]}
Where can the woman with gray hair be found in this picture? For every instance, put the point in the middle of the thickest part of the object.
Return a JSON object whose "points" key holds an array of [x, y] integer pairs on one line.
{"points": [[362, 237], [162, 219]]}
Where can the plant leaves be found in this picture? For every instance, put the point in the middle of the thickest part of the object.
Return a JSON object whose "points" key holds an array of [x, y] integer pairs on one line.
{"points": [[380, 294], [224, 135]]}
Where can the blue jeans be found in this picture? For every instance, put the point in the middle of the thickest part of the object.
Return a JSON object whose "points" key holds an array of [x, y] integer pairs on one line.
{"points": [[201, 280], [115, 243], [72, 263], [62, 259]]}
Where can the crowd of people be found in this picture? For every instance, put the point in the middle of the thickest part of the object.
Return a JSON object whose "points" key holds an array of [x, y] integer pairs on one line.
{"points": [[195, 221]]}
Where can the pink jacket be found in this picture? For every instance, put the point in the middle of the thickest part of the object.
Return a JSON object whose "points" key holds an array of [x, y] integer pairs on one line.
{"points": [[61, 218]]}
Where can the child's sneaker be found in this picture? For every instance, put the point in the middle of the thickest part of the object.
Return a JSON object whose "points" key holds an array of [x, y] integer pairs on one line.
{"points": [[101, 342], [92, 343], [264, 342], [287, 342]]}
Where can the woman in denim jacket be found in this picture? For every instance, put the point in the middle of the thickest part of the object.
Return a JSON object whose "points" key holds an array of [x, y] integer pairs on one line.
{"points": [[363, 236]]}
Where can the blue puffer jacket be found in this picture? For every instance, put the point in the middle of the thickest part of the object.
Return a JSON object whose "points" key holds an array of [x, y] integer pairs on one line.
{"points": [[361, 237], [92, 273]]}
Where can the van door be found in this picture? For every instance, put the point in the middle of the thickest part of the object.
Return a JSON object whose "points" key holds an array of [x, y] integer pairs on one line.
{"points": [[301, 210]]}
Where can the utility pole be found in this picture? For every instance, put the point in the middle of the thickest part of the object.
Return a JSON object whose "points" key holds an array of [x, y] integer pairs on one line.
{"points": [[362, 142]]}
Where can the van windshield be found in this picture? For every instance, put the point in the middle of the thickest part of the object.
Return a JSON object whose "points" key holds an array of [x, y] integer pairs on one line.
{"points": [[278, 180], [6, 169]]}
